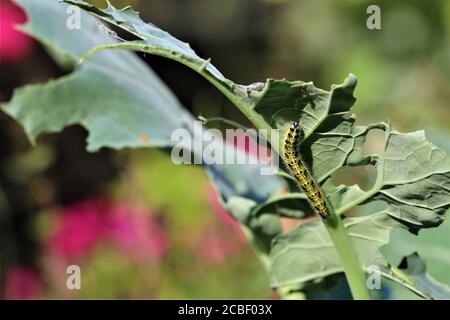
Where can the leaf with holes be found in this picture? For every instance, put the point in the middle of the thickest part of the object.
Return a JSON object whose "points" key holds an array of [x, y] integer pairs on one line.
{"points": [[120, 101]]}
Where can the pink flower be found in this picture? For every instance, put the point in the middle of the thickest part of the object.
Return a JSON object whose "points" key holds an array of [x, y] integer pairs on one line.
{"points": [[137, 233], [14, 45], [78, 229], [82, 226], [22, 283]]}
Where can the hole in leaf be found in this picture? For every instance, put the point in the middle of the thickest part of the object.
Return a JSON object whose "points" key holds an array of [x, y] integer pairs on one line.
{"points": [[364, 176], [375, 141], [347, 115], [370, 208]]}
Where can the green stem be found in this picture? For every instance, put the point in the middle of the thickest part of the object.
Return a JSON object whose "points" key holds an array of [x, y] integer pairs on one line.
{"points": [[353, 268], [257, 120]]}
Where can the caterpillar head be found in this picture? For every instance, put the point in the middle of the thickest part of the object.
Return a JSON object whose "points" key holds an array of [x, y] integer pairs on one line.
{"points": [[296, 129], [294, 126]]}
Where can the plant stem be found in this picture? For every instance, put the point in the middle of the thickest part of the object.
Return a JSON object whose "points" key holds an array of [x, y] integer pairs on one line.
{"points": [[353, 269]]}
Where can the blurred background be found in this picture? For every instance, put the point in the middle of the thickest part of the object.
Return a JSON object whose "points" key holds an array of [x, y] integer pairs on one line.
{"points": [[142, 227]]}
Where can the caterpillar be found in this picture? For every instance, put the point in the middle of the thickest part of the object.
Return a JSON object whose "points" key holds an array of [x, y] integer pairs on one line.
{"points": [[301, 173]]}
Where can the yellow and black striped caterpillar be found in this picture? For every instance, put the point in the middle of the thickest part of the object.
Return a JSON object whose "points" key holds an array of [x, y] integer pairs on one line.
{"points": [[301, 173]]}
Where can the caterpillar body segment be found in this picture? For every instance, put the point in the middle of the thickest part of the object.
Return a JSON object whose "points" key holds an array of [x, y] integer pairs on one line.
{"points": [[298, 168]]}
